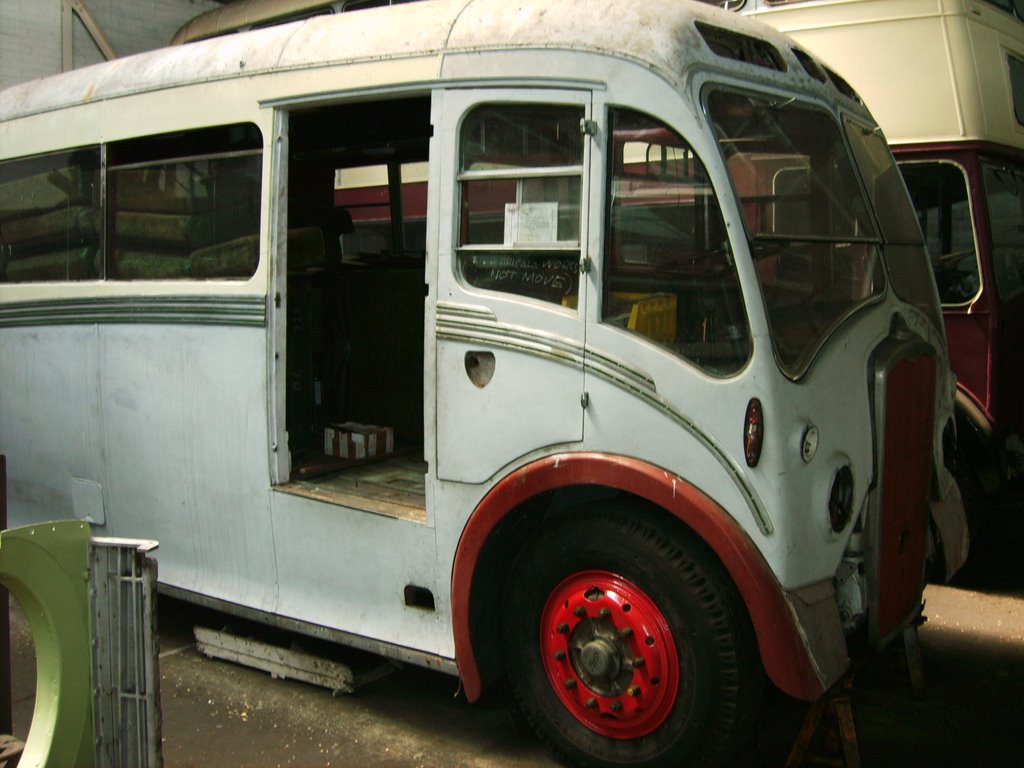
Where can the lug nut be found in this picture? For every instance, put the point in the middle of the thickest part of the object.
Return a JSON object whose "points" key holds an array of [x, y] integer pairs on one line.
{"points": [[563, 628], [559, 655], [633, 690], [570, 683], [591, 703], [626, 632], [580, 611], [616, 706], [604, 613]]}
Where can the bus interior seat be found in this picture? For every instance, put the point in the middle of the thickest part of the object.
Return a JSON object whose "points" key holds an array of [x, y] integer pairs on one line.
{"points": [[651, 314]]}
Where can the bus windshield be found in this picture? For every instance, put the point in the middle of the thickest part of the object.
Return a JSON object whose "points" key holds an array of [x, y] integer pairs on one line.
{"points": [[910, 271], [815, 245]]}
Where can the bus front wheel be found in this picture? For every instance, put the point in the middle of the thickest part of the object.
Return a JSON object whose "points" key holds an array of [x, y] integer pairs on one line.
{"points": [[626, 644]]}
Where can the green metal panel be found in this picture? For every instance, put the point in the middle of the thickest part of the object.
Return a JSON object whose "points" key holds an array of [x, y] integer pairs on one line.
{"points": [[46, 568]]}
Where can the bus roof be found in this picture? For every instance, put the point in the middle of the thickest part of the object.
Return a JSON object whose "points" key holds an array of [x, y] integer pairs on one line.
{"points": [[660, 34]]}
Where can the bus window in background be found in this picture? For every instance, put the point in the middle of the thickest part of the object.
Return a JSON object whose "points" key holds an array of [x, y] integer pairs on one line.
{"points": [[1004, 189], [365, 194], [939, 193]]}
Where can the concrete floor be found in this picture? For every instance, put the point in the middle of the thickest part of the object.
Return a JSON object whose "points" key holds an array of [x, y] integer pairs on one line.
{"points": [[218, 713]]}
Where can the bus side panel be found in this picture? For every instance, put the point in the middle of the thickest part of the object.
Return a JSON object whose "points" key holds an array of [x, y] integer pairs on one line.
{"points": [[348, 569], [50, 422], [147, 431], [185, 416]]}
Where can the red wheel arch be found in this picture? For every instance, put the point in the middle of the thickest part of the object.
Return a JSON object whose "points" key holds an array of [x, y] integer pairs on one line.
{"points": [[784, 653]]}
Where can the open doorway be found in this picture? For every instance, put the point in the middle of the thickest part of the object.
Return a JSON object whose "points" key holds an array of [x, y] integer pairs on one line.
{"points": [[357, 196]]}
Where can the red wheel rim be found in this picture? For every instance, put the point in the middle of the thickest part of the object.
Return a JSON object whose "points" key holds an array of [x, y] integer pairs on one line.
{"points": [[609, 654]]}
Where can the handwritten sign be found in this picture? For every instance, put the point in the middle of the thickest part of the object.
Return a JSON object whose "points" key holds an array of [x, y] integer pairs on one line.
{"points": [[541, 276]]}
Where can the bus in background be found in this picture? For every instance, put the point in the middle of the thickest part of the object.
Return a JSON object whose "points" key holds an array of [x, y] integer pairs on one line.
{"points": [[494, 338], [243, 15], [945, 79]]}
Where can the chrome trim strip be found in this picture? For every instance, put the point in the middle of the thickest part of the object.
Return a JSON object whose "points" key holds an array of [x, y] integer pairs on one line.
{"points": [[249, 311], [757, 509], [471, 324]]}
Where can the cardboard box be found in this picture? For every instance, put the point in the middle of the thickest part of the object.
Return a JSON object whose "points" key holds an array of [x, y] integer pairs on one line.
{"points": [[358, 441]]}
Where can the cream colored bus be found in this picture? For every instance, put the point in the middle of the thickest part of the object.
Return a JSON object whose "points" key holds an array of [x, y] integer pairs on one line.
{"points": [[495, 338]]}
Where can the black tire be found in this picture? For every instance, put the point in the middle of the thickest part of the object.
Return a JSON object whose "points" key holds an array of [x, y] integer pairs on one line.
{"points": [[706, 706]]}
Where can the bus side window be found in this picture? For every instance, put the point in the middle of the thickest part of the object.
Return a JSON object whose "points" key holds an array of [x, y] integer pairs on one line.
{"points": [[185, 205], [668, 273], [50, 219], [520, 176]]}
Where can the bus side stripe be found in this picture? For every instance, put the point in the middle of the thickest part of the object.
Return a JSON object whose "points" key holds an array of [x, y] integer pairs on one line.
{"points": [[248, 311]]}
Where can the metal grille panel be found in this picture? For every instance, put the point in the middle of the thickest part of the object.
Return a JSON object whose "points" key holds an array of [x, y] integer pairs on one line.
{"points": [[126, 675]]}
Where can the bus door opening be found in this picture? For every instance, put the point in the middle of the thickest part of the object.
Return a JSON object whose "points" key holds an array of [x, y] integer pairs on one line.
{"points": [[356, 248]]}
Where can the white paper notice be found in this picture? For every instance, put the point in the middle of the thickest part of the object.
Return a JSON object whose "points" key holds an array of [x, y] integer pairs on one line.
{"points": [[531, 223]]}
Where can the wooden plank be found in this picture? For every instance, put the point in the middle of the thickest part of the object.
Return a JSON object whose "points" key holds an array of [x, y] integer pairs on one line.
{"points": [[361, 501], [828, 736], [393, 486], [851, 751], [812, 719], [915, 662], [288, 663], [281, 663]]}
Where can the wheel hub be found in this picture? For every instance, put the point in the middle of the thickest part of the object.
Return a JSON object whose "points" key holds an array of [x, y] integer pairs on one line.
{"points": [[599, 661], [609, 654]]}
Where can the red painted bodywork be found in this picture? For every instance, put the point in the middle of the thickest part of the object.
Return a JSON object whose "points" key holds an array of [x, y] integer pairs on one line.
{"points": [[984, 336], [909, 405], [783, 652]]}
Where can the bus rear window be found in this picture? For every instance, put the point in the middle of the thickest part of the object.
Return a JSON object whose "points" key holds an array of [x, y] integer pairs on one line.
{"points": [[50, 220]]}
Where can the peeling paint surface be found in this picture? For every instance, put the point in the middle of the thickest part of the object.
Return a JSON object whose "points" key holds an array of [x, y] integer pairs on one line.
{"points": [[658, 33]]}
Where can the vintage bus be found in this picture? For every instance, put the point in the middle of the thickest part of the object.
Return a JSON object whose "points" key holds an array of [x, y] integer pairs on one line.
{"points": [[946, 83], [493, 338]]}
